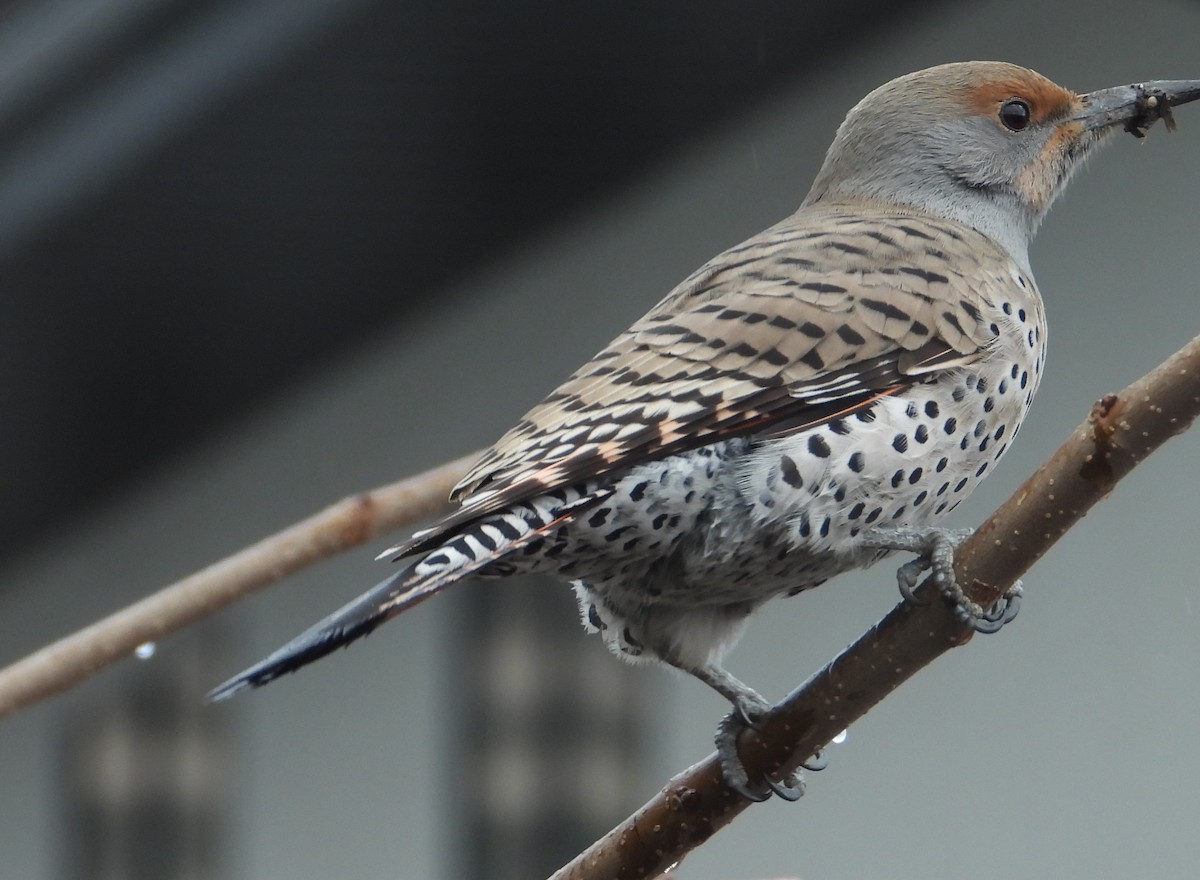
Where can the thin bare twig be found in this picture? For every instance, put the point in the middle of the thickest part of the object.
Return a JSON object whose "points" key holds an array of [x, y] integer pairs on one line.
{"points": [[1120, 431], [346, 524]]}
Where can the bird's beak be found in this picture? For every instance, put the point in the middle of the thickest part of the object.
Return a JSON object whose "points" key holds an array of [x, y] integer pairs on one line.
{"points": [[1136, 106]]}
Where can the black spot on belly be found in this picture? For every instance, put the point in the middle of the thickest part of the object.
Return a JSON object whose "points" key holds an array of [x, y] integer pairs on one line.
{"points": [[789, 471]]}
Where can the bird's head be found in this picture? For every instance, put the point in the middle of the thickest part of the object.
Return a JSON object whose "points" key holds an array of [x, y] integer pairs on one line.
{"points": [[986, 143]]}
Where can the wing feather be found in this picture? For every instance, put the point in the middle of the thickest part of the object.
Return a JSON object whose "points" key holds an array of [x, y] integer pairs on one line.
{"points": [[816, 316]]}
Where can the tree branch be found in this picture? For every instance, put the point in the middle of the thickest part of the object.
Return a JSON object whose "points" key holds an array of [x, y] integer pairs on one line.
{"points": [[346, 524], [1119, 432]]}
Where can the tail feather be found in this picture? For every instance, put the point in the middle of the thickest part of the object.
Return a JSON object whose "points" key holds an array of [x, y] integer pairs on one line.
{"points": [[461, 556], [352, 621]]}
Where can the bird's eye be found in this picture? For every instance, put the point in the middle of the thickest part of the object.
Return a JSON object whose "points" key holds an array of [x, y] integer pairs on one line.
{"points": [[1014, 114]]}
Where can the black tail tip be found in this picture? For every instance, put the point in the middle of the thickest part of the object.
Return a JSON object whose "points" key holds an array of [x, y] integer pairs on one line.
{"points": [[338, 630], [228, 689], [316, 643], [255, 676], [280, 663]]}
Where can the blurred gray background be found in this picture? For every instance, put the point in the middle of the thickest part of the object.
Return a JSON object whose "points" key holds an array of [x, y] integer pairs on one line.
{"points": [[254, 257]]}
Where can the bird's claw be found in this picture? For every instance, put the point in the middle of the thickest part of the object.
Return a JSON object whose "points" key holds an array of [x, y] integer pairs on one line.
{"points": [[1003, 611], [744, 715], [908, 576], [936, 552], [789, 789], [750, 716], [934, 548], [731, 763], [817, 762]]}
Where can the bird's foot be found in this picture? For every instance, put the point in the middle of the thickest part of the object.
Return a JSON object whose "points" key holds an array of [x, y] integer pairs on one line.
{"points": [[751, 711], [935, 548]]}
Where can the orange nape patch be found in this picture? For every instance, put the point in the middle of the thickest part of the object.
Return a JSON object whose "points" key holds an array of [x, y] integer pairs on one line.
{"points": [[1046, 100]]}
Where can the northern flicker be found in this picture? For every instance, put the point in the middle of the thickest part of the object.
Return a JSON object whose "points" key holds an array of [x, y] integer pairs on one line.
{"points": [[801, 405]]}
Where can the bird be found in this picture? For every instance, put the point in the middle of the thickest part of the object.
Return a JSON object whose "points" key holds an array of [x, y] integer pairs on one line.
{"points": [[803, 404]]}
